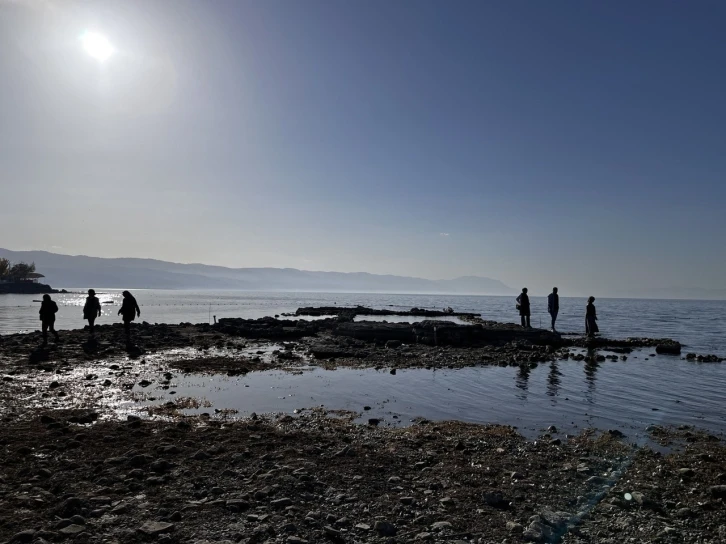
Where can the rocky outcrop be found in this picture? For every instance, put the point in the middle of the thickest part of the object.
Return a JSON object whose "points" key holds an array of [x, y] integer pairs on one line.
{"points": [[267, 327], [27, 288], [445, 333]]}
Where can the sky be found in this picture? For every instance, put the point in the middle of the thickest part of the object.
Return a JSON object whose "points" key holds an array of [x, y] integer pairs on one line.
{"points": [[570, 143]]}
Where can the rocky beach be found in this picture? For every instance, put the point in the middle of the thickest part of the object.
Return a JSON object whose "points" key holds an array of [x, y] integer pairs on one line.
{"points": [[75, 468]]}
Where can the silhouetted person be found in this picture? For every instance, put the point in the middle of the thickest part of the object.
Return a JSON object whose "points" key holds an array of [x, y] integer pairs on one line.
{"points": [[129, 310], [92, 309], [553, 306], [523, 307], [48, 309], [591, 318]]}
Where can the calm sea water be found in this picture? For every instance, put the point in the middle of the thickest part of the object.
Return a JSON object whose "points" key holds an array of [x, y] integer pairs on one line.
{"points": [[700, 325]]}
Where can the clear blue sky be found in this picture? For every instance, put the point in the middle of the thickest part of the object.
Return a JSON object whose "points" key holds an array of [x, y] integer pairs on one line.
{"points": [[570, 143]]}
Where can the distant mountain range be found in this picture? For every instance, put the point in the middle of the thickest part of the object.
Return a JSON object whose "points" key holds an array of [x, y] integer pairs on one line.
{"points": [[70, 271]]}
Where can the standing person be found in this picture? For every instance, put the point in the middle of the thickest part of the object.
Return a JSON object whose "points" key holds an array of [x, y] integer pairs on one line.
{"points": [[591, 318], [92, 309], [523, 307], [553, 306], [129, 310], [48, 309]]}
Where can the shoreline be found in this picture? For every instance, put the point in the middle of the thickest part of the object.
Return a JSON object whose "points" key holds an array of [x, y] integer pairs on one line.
{"points": [[67, 471], [317, 477]]}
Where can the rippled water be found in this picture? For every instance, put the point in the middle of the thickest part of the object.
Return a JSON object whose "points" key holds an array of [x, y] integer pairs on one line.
{"points": [[698, 324], [626, 395]]}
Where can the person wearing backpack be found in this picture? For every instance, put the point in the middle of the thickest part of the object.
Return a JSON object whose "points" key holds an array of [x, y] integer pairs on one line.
{"points": [[48, 309], [523, 307], [129, 310]]}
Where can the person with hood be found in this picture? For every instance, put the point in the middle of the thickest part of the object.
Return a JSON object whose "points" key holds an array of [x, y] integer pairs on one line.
{"points": [[591, 318], [129, 310], [48, 309], [92, 309], [553, 306], [523, 307]]}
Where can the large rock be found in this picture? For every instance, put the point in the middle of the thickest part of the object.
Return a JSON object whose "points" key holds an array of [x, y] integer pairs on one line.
{"points": [[156, 528], [668, 348]]}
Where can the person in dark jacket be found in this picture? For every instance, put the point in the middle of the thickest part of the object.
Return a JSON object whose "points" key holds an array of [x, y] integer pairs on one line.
{"points": [[92, 309], [553, 306], [48, 309], [129, 310], [591, 318], [523, 307]]}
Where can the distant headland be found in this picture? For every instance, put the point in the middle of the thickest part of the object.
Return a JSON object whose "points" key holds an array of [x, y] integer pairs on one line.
{"points": [[22, 279]]}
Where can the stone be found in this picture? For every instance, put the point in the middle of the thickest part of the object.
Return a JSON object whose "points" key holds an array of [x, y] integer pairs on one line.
{"points": [[424, 536], [201, 455], [78, 520], [160, 466], [139, 460], [686, 472], [393, 344], [537, 532], [156, 528], [384, 528], [406, 500], [296, 540], [684, 513], [363, 527], [121, 508], [447, 502], [495, 500], [237, 505], [668, 348], [441, 526], [281, 503], [514, 527], [72, 530], [331, 532], [718, 491], [24, 536]]}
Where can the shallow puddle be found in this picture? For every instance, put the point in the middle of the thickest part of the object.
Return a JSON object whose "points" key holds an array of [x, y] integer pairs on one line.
{"points": [[625, 395]]}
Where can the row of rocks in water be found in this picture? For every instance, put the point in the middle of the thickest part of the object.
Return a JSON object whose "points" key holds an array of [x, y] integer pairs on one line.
{"points": [[353, 311]]}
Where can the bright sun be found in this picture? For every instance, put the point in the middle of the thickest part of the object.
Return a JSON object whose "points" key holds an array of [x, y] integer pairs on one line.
{"points": [[97, 45]]}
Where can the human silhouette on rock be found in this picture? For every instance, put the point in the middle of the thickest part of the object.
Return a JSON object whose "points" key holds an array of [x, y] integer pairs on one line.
{"points": [[128, 312], [591, 318], [92, 309], [523, 307], [553, 306], [48, 309]]}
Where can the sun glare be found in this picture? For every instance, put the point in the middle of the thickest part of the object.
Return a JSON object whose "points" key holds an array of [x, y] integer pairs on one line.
{"points": [[97, 45]]}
